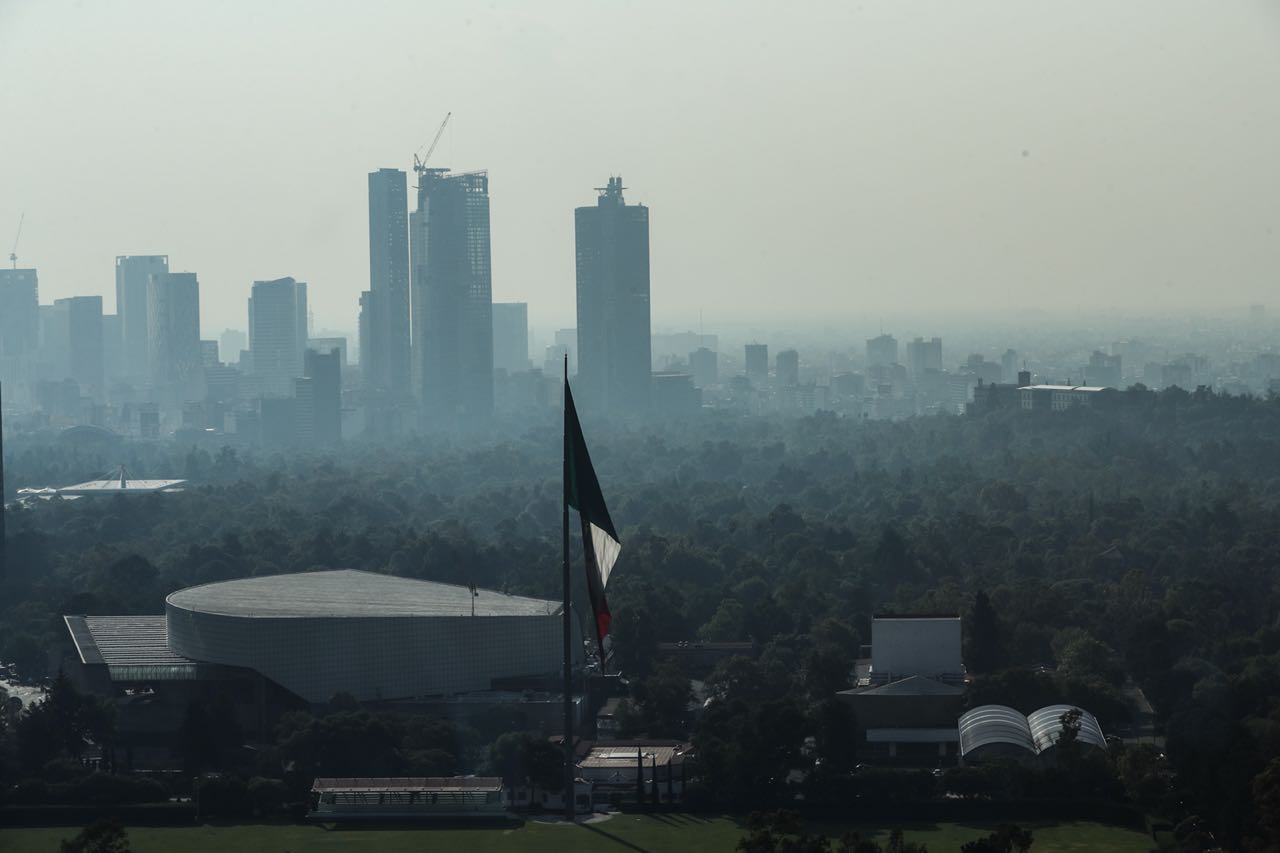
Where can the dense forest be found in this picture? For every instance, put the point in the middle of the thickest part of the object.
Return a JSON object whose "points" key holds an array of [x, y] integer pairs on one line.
{"points": [[1090, 551]]}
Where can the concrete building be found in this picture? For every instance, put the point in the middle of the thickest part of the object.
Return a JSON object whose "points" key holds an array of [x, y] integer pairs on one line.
{"points": [[756, 362], [1103, 370], [175, 362], [922, 355], [277, 334], [74, 345], [133, 276], [883, 350], [511, 337], [614, 347], [319, 411], [19, 328], [385, 355], [1059, 398], [704, 364], [452, 293], [787, 368]]}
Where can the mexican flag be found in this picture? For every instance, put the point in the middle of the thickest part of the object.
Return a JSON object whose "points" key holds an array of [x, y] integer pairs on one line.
{"points": [[599, 538]]}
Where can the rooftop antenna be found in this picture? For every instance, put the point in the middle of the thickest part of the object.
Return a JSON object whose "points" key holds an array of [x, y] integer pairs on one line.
{"points": [[420, 166], [13, 253]]}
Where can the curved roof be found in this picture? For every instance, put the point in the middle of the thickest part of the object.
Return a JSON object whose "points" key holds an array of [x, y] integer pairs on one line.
{"points": [[994, 724], [1046, 726], [349, 593]]}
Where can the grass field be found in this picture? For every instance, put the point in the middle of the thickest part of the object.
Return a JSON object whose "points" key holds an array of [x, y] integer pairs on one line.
{"points": [[640, 834]]}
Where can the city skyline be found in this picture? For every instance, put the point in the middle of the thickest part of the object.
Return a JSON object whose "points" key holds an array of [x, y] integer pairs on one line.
{"points": [[1022, 199]]}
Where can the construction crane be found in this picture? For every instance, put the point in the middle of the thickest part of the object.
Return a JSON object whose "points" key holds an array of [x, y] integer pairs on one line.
{"points": [[420, 166], [13, 254]]}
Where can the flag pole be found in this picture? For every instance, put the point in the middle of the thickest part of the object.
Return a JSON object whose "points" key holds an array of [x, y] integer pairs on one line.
{"points": [[568, 644]]}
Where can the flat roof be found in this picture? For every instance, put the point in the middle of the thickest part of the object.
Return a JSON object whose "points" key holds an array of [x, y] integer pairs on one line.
{"points": [[625, 755], [1065, 388], [112, 487], [346, 593], [404, 784]]}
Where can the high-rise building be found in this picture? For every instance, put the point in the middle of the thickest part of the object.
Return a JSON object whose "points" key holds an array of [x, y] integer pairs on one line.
{"points": [[614, 361], [75, 344], [1103, 370], [319, 399], [19, 326], [277, 334], [922, 355], [756, 360], [173, 351], [704, 365], [883, 350], [1009, 366], [384, 358], [511, 336], [133, 274], [230, 343], [787, 367], [452, 293]]}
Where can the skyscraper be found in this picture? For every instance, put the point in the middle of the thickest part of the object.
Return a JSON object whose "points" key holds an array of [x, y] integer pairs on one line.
{"points": [[319, 398], [614, 362], [384, 358], [277, 334], [173, 350], [452, 296], [76, 343], [133, 272], [19, 326], [756, 360], [922, 355], [883, 350], [511, 336], [788, 367]]}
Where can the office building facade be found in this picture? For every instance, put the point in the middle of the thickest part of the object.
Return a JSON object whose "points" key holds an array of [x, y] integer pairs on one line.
{"points": [[277, 334], [385, 355], [173, 349], [133, 277], [511, 336], [614, 357], [75, 344], [452, 292]]}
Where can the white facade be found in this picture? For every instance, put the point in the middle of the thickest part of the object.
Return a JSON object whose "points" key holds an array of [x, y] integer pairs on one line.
{"points": [[906, 646]]}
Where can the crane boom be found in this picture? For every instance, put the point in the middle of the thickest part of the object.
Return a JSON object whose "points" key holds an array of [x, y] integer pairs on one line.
{"points": [[421, 165], [13, 253]]}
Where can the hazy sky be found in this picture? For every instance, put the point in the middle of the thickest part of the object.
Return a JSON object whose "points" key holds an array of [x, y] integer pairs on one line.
{"points": [[803, 162]]}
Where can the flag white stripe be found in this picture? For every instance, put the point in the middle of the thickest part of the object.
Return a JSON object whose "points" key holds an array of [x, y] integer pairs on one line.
{"points": [[606, 548]]}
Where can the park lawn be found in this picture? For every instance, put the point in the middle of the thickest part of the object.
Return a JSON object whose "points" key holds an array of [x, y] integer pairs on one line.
{"points": [[667, 833]]}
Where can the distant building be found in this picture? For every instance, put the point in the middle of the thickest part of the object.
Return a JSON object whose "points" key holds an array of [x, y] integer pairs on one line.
{"points": [[230, 343], [1103, 370], [756, 361], [674, 394], [511, 336], [922, 355], [133, 275], [277, 334], [1059, 398], [176, 367], [452, 290], [19, 326], [76, 343], [209, 356], [385, 355], [883, 349], [1009, 366], [319, 410], [325, 345], [614, 354], [704, 364], [787, 368]]}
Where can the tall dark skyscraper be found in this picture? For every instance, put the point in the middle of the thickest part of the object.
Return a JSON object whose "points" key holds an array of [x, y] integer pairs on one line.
{"points": [[177, 365], [385, 355], [614, 363], [133, 274], [277, 334], [452, 297], [19, 327]]}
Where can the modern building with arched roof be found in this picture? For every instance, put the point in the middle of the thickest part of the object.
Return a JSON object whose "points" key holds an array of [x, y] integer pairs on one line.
{"points": [[998, 731]]}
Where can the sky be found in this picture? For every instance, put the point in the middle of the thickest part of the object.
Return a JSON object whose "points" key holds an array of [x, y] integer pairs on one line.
{"points": [[806, 163]]}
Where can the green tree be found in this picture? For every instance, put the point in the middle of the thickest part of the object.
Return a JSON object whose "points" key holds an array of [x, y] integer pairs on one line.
{"points": [[104, 836]]}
